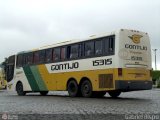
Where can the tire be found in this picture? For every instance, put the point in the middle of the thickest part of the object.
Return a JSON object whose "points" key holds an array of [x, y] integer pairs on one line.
{"points": [[72, 88], [86, 89], [114, 94], [43, 93], [99, 94], [19, 89]]}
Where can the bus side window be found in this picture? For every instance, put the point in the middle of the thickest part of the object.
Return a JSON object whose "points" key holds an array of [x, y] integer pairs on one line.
{"points": [[68, 52], [36, 57], [19, 60], [109, 45], [74, 51], [29, 58], [63, 53], [42, 56], [80, 50], [98, 47], [56, 54], [89, 48], [48, 55], [24, 59]]}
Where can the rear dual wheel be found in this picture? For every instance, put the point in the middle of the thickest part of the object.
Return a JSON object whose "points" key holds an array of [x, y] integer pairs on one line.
{"points": [[85, 89], [73, 89]]}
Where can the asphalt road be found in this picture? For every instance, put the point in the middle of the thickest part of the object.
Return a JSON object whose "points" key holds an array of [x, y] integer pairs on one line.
{"points": [[57, 105]]}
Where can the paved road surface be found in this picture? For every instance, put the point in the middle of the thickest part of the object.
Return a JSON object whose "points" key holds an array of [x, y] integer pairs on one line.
{"points": [[59, 105]]}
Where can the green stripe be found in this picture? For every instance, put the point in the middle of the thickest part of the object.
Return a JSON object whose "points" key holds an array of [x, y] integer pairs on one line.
{"points": [[38, 78], [31, 79]]}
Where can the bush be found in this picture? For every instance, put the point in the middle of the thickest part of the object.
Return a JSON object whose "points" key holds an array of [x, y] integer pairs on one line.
{"points": [[158, 84]]}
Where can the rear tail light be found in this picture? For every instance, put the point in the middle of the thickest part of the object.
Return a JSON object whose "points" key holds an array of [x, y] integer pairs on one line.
{"points": [[119, 71]]}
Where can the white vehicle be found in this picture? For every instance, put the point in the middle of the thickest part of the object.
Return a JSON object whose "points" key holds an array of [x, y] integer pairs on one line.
{"points": [[116, 62]]}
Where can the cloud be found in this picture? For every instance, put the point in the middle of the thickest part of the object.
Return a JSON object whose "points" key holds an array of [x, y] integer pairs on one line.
{"points": [[28, 24]]}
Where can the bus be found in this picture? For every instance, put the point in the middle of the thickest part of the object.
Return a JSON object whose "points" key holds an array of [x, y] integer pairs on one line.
{"points": [[3, 82], [114, 62]]}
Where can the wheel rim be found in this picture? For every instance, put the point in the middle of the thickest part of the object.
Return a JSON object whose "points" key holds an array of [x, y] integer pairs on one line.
{"points": [[86, 89]]}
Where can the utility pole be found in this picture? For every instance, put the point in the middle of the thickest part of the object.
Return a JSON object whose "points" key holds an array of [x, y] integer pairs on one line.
{"points": [[155, 50]]}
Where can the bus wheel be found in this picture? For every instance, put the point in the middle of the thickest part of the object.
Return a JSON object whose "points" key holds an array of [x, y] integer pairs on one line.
{"points": [[114, 93], [19, 89], [99, 94], [72, 88], [86, 89], [43, 93]]}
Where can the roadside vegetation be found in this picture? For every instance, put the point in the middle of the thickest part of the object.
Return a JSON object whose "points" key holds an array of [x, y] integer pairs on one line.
{"points": [[156, 78]]}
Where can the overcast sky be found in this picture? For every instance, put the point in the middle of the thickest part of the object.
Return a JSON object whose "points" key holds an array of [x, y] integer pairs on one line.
{"points": [[28, 24]]}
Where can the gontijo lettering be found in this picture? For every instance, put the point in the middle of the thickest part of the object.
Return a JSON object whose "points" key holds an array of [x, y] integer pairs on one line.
{"points": [[136, 47], [65, 66]]}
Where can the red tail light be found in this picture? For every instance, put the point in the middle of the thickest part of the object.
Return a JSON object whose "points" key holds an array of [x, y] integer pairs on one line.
{"points": [[119, 71]]}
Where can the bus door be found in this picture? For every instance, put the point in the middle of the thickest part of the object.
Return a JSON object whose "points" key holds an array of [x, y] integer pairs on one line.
{"points": [[10, 68]]}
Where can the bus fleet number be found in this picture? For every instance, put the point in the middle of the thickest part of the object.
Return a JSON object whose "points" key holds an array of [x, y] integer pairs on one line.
{"points": [[102, 62]]}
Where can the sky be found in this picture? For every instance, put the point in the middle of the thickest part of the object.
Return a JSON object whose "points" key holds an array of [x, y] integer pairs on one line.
{"points": [[28, 24]]}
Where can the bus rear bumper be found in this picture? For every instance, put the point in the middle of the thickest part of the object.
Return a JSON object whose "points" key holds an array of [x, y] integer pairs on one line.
{"points": [[132, 85]]}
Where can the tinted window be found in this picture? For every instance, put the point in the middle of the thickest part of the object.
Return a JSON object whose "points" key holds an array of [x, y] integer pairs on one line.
{"points": [[80, 50], [68, 52], [98, 47], [56, 54], [42, 56], [74, 51], [36, 57], [19, 60], [109, 45], [29, 58], [63, 53], [89, 48], [48, 55]]}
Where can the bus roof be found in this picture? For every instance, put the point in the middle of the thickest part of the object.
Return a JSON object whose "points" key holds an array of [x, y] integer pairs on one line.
{"points": [[76, 40]]}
